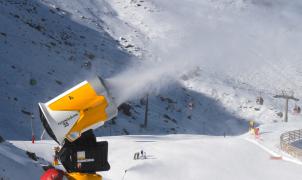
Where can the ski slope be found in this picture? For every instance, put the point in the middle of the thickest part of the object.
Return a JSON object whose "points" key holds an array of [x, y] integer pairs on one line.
{"points": [[203, 64], [185, 157]]}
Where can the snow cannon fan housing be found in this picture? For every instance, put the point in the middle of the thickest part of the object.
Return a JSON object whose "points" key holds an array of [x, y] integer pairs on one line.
{"points": [[85, 106]]}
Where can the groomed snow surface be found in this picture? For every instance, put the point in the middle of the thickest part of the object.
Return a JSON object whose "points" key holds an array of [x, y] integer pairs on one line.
{"points": [[191, 157]]}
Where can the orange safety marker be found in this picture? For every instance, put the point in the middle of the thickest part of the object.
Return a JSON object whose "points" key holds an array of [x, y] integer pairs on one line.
{"points": [[33, 139], [257, 135]]}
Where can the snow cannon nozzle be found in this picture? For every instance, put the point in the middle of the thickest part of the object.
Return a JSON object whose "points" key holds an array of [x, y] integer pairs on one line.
{"points": [[86, 106], [107, 88]]}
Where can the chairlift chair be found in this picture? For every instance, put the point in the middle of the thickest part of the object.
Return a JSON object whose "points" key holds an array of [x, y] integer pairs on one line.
{"points": [[297, 109], [259, 100]]}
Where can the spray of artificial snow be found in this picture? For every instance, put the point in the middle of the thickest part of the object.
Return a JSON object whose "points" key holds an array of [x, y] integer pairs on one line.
{"points": [[137, 81], [244, 40]]}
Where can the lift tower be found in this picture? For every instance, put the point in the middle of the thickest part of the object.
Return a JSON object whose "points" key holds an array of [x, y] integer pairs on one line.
{"points": [[287, 97]]}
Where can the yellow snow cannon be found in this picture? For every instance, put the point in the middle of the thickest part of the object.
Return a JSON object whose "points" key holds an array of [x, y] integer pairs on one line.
{"points": [[84, 107]]}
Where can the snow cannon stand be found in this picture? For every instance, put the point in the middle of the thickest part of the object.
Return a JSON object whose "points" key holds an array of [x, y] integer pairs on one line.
{"points": [[70, 119], [85, 155], [83, 158], [83, 176]]}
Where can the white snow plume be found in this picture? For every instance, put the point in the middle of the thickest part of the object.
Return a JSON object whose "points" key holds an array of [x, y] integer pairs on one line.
{"points": [[243, 40], [150, 77]]}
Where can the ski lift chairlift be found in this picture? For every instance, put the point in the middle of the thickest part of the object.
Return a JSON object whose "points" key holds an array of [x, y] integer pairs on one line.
{"points": [[259, 100]]}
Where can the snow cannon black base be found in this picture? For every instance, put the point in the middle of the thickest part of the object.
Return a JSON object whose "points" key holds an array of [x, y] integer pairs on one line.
{"points": [[85, 155]]}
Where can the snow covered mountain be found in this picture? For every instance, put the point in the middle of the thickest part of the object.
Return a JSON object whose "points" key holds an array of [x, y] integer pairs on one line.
{"points": [[49, 46], [203, 63]]}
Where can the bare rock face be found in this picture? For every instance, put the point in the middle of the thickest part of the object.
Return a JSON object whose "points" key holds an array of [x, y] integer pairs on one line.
{"points": [[1, 139], [32, 155], [125, 109]]}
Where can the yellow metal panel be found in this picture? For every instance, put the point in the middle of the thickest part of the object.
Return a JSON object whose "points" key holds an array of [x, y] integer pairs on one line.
{"points": [[76, 100], [92, 107], [90, 116], [83, 176]]}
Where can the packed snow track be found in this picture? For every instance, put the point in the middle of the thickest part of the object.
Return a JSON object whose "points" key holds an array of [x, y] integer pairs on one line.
{"points": [[184, 157]]}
